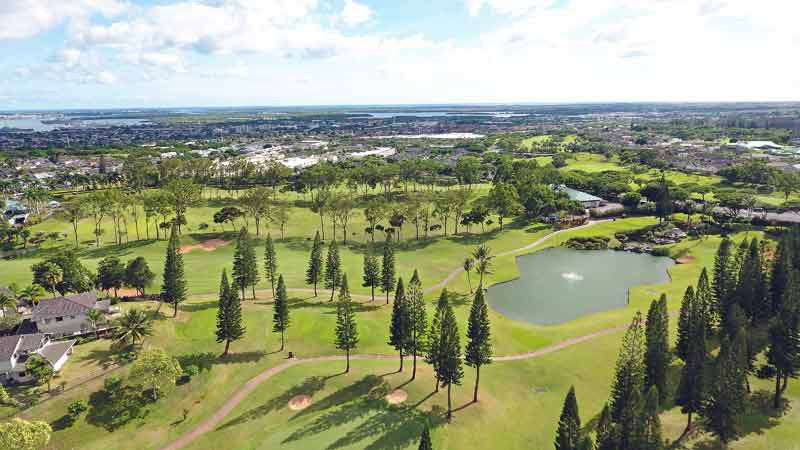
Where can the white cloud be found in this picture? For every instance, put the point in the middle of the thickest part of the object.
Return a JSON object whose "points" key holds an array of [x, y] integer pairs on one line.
{"points": [[21, 19], [355, 13], [506, 7]]}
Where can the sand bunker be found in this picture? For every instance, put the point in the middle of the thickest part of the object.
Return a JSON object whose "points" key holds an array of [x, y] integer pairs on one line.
{"points": [[299, 402], [685, 260], [208, 246], [396, 397]]}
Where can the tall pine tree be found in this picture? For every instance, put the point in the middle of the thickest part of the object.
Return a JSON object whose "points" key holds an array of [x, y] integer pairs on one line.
{"points": [[270, 263], [685, 322], [245, 268], [387, 267], [173, 289], [607, 435], [346, 328], [783, 354], [568, 434], [280, 315], [400, 325], [692, 387], [449, 370], [651, 431], [315, 270], [657, 357], [724, 281], [333, 268], [628, 383], [704, 296], [419, 319], [229, 315], [479, 341], [434, 349], [725, 402], [781, 268], [372, 272]]}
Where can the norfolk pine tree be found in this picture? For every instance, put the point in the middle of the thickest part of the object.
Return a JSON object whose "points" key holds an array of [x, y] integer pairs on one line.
{"points": [[434, 352], [626, 391], [449, 368], [315, 269], [229, 315], [651, 435], [685, 323], [657, 357], [387, 267], [270, 263], [692, 387], [607, 435], [245, 270], [372, 272], [419, 318], [425, 439], [333, 268], [173, 289], [346, 329], [400, 325], [280, 316], [479, 341], [568, 434], [724, 281], [723, 409], [704, 296], [783, 354]]}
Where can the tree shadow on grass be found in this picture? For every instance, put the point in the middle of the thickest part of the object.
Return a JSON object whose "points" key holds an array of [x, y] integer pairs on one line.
{"points": [[309, 386], [198, 306], [364, 386], [760, 414], [63, 422], [328, 307], [201, 360], [396, 427], [111, 410], [118, 250], [241, 357]]}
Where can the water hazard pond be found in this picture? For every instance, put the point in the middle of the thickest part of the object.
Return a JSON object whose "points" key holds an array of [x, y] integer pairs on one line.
{"points": [[558, 284]]}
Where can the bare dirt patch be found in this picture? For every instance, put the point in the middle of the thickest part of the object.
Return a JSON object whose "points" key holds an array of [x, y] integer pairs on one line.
{"points": [[299, 402], [396, 397], [685, 260], [209, 245]]}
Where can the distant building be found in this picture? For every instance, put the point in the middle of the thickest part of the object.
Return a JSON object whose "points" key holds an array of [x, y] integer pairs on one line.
{"points": [[587, 200]]}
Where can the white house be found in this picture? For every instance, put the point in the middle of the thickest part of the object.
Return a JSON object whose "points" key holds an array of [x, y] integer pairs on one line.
{"points": [[15, 351], [68, 316]]}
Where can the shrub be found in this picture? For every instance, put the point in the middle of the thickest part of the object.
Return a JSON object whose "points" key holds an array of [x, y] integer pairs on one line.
{"points": [[660, 251], [77, 408]]}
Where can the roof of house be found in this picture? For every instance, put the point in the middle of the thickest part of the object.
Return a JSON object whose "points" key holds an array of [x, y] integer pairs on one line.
{"points": [[8, 346], [577, 195], [57, 307], [87, 299], [55, 350], [31, 342]]}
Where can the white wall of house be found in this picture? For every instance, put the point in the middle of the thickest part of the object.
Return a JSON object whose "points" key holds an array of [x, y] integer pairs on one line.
{"points": [[67, 326]]}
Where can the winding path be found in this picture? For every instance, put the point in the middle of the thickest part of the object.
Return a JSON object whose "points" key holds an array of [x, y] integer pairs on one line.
{"points": [[215, 419]]}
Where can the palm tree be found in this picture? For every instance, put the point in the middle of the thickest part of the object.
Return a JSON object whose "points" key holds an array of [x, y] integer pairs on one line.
{"points": [[94, 316], [133, 325], [32, 294], [7, 302], [469, 263], [483, 257]]}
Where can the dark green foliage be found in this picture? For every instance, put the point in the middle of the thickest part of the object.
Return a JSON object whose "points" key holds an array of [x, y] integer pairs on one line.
{"points": [[751, 289], [387, 267], [629, 372], [110, 274], [725, 403], [568, 434], [651, 426], [692, 387], [315, 266], [479, 340], [400, 325], [434, 353], [448, 367], [372, 272], [724, 281], [419, 318], [606, 431], [704, 296], [784, 257], [346, 328], [685, 319], [270, 263], [173, 288], [229, 314], [657, 356], [280, 315], [425, 440], [783, 355], [245, 267], [75, 277], [333, 268], [138, 274]]}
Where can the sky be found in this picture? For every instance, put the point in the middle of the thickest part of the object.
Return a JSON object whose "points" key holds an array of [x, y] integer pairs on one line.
{"points": [[59, 54]]}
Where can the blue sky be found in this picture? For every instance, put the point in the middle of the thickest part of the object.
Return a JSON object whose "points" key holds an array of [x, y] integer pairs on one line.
{"points": [[148, 53]]}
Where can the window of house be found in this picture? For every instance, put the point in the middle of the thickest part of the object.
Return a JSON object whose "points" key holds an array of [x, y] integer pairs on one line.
{"points": [[59, 319], [22, 374]]}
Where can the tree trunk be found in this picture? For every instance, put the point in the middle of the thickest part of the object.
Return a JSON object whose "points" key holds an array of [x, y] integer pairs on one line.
{"points": [[347, 356], [283, 340], [227, 346], [777, 400], [373, 292], [477, 380], [449, 404], [254, 292], [387, 297], [315, 289], [469, 281], [272, 285], [333, 289], [414, 366], [437, 384], [401, 361], [175, 309]]}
